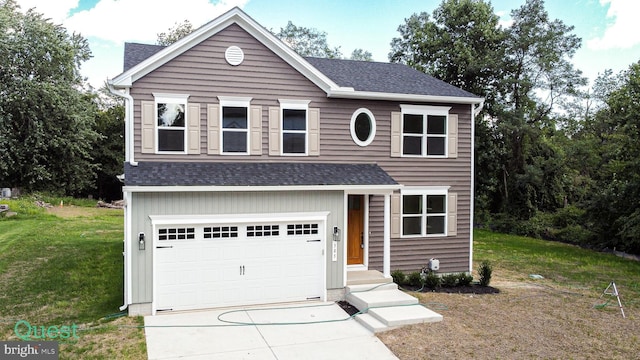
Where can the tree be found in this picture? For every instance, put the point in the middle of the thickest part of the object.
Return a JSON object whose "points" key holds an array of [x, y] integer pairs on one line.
{"points": [[308, 41], [362, 55], [46, 121], [177, 32]]}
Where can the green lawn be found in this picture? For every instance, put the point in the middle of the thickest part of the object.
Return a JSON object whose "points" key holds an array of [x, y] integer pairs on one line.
{"points": [[63, 271], [566, 265]]}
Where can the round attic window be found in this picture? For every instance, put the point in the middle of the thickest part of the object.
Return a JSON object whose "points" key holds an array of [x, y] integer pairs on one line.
{"points": [[234, 55], [363, 127]]}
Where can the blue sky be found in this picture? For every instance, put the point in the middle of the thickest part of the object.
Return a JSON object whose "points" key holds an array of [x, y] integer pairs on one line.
{"points": [[609, 28]]}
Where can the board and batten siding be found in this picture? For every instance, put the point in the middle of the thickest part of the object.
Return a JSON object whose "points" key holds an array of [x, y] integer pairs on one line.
{"points": [[216, 203], [203, 74]]}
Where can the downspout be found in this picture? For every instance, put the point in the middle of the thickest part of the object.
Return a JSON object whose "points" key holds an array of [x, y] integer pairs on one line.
{"points": [[128, 119], [474, 112]]}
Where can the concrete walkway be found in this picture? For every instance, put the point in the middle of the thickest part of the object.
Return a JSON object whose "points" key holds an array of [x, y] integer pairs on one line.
{"points": [[261, 333]]}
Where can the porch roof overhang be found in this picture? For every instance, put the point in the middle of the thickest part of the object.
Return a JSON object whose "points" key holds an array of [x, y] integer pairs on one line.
{"points": [[221, 177]]}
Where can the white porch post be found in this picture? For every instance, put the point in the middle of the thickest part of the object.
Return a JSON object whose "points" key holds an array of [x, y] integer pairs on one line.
{"points": [[386, 248]]}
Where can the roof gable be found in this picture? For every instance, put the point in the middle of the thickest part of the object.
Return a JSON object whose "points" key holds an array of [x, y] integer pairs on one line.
{"points": [[337, 78]]}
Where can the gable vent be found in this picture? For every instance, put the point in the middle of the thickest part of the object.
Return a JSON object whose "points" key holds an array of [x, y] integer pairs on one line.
{"points": [[234, 55]]}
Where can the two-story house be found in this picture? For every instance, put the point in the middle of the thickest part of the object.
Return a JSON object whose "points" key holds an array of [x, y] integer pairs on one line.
{"points": [[255, 175]]}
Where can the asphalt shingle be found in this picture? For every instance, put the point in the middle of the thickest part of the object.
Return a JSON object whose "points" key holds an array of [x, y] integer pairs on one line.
{"points": [[149, 173]]}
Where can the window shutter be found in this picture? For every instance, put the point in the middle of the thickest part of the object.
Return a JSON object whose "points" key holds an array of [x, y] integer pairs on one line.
{"points": [[452, 214], [274, 131], [147, 109], [396, 134], [396, 217], [314, 132], [453, 135], [256, 130], [193, 128], [213, 129]]}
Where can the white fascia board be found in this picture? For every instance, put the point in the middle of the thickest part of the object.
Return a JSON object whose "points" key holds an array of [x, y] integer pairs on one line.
{"points": [[236, 218], [354, 189], [243, 20], [370, 95]]}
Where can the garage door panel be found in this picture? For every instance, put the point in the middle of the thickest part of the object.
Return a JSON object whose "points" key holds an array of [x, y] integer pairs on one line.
{"points": [[260, 264]]}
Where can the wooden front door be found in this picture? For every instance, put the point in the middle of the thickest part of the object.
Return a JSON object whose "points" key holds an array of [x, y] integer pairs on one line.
{"points": [[355, 230]]}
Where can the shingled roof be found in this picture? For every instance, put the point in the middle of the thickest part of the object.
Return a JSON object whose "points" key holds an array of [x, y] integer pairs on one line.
{"points": [[253, 174], [384, 77], [365, 76]]}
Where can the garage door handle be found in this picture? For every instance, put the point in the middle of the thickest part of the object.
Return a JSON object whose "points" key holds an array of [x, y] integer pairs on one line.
{"points": [[164, 247], [314, 240]]}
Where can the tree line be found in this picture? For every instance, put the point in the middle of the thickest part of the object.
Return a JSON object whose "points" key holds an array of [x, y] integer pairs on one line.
{"points": [[554, 156]]}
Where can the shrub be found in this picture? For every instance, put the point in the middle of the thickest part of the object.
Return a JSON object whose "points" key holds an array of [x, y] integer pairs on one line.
{"points": [[449, 280], [484, 271], [464, 279], [431, 280], [415, 279], [399, 277]]}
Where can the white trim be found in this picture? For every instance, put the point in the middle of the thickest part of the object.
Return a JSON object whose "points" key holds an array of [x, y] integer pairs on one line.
{"points": [[236, 218], [286, 104], [472, 185], [386, 243], [232, 101], [424, 192], [342, 93], [233, 16], [165, 98], [425, 111], [369, 189], [128, 288], [352, 127]]}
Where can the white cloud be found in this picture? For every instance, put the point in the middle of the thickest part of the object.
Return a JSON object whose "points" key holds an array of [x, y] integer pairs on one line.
{"points": [[57, 10], [623, 32], [142, 20]]}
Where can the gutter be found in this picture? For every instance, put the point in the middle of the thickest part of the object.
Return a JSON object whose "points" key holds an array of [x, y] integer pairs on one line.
{"points": [[478, 108], [128, 120]]}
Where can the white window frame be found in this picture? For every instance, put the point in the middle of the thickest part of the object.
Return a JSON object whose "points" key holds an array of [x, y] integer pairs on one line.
{"points": [[425, 111], [424, 192], [352, 127], [230, 101], [287, 104], [163, 98]]}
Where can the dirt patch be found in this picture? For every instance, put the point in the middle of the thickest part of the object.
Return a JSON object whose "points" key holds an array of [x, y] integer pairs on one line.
{"points": [[70, 211], [526, 319]]}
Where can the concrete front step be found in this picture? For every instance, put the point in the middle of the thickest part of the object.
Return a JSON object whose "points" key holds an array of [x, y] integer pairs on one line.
{"points": [[371, 287], [388, 318], [371, 299], [404, 315]]}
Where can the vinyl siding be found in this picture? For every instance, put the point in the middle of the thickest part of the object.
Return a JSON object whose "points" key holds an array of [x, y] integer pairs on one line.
{"points": [[145, 204], [203, 73]]}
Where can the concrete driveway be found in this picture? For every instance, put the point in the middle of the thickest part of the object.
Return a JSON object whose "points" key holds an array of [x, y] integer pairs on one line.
{"points": [[310, 331]]}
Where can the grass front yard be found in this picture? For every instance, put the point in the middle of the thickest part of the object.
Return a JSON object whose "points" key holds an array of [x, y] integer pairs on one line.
{"points": [[63, 267]]}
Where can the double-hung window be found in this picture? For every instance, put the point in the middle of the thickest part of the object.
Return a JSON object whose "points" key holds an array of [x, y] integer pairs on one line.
{"points": [[424, 212], [171, 122], [294, 127], [235, 125], [424, 130]]}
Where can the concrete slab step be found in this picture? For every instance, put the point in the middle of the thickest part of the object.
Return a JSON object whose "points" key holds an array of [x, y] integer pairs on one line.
{"points": [[404, 315], [371, 287], [364, 300], [371, 323]]}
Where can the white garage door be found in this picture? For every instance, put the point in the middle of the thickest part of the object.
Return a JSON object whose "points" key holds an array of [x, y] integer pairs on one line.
{"points": [[237, 263]]}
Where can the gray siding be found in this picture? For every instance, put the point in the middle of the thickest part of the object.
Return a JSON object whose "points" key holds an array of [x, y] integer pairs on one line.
{"points": [[203, 73], [145, 204]]}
